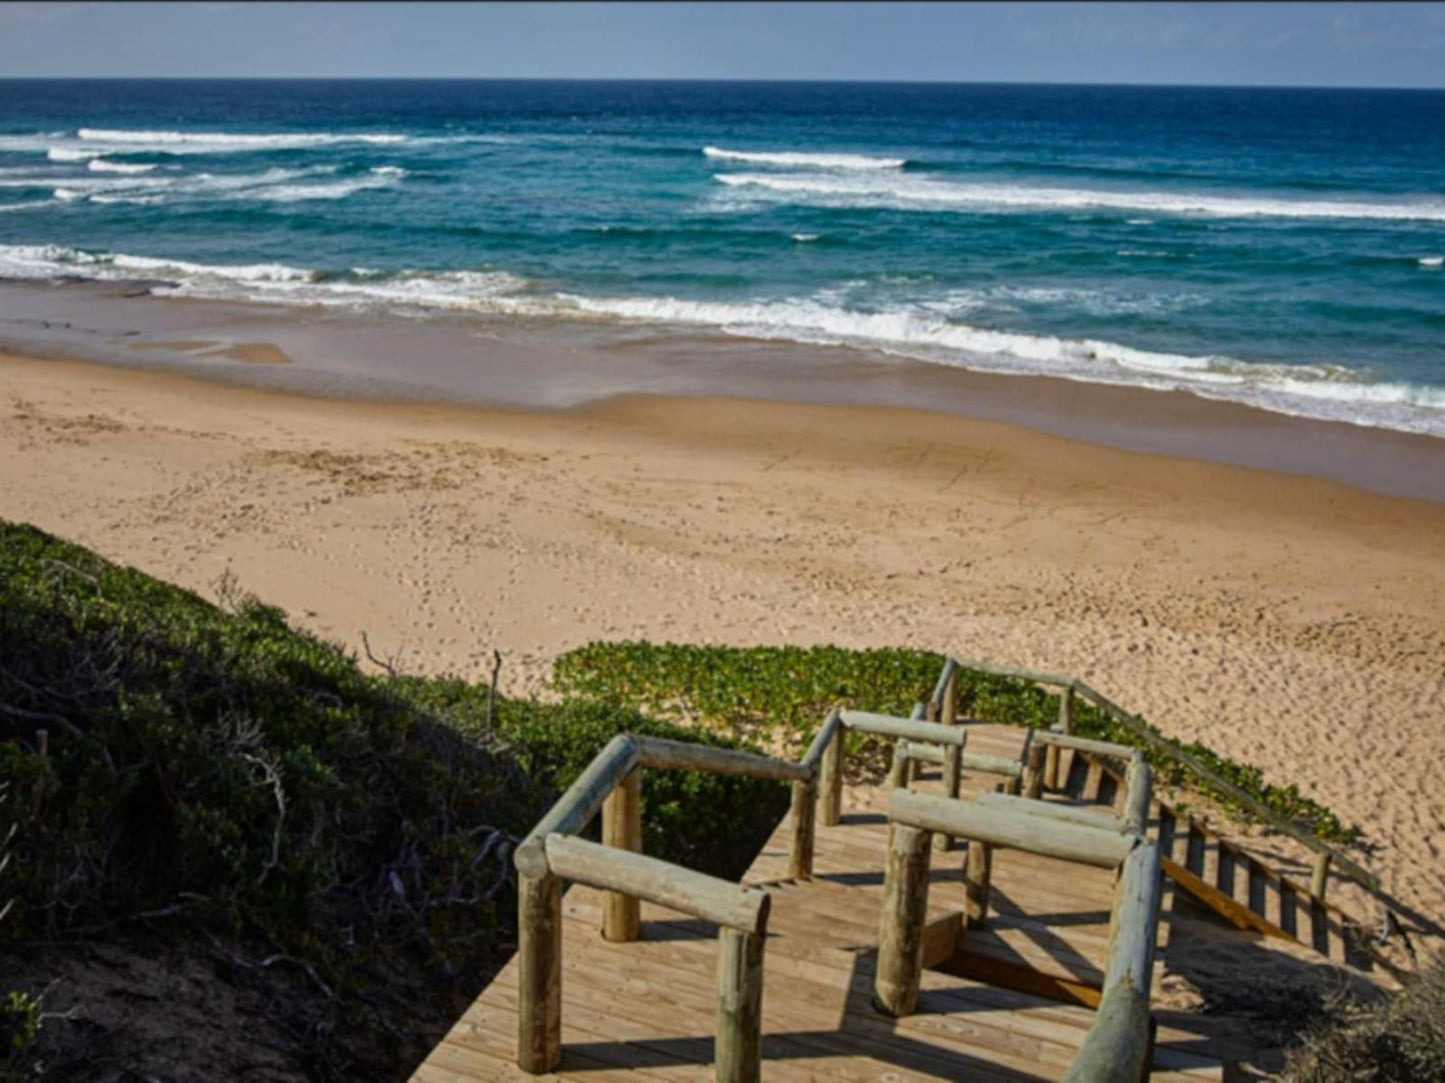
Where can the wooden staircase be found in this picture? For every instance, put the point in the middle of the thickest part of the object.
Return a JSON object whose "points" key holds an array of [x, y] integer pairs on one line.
{"points": [[1224, 877]]}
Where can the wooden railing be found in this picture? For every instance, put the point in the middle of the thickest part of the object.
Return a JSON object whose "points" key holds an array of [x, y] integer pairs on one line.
{"points": [[1116, 1048], [612, 784], [1325, 855]]}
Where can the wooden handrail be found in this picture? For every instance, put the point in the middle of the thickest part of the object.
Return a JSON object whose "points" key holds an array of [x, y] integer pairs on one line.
{"points": [[682, 756], [1083, 744], [1166, 748], [909, 729], [1103, 846], [940, 689], [575, 808], [551, 852], [821, 740], [721, 902], [1116, 1047], [1088, 815]]}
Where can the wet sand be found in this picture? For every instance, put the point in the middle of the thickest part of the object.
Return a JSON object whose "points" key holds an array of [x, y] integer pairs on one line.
{"points": [[536, 364]]}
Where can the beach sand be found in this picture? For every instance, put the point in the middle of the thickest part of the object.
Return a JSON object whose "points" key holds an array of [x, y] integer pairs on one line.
{"points": [[1296, 624]]}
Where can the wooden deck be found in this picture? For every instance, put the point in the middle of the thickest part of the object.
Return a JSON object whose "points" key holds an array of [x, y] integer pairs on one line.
{"points": [[646, 1010]]}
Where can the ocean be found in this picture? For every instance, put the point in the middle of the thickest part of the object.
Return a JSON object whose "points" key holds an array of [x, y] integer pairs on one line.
{"points": [[1281, 248]]}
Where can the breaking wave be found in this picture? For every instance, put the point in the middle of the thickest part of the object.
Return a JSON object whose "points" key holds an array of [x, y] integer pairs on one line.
{"points": [[912, 193], [806, 159]]}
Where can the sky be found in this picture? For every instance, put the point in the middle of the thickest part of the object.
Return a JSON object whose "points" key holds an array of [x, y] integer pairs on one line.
{"points": [[1251, 44]]}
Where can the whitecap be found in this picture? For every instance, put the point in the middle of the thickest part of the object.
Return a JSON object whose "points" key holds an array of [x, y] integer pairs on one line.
{"points": [[908, 192], [104, 165], [808, 159], [175, 142]]}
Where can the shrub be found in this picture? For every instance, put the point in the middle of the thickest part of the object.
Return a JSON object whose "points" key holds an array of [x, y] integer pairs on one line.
{"points": [[1401, 1040], [785, 692]]}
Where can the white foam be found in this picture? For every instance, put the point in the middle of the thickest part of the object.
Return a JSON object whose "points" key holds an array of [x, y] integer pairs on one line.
{"points": [[805, 159], [82, 183], [68, 154], [53, 261], [24, 205], [144, 201], [907, 192], [251, 272], [103, 165], [1324, 392], [1431, 261], [1319, 391], [228, 142], [296, 193], [68, 195], [805, 237]]}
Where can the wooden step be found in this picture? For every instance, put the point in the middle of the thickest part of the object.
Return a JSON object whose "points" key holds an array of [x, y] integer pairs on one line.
{"points": [[1289, 909], [1194, 851], [1229, 871], [1242, 917]]}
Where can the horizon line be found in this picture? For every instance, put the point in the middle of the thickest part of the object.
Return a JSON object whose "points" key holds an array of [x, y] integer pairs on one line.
{"points": [[673, 79]]}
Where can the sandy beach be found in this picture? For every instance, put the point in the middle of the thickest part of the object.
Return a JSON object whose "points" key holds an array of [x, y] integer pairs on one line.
{"points": [[1293, 623]]}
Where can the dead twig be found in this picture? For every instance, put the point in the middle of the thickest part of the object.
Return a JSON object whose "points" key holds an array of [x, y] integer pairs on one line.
{"points": [[270, 961], [390, 669], [492, 688], [273, 777]]}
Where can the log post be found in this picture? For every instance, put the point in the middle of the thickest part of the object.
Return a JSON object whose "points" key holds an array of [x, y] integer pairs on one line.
{"points": [[1066, 724], [832, 779], [898, 771], [900, 935], [952, 757], [1034, 770], [539, 973], [912, 767], [1320, 875], [977, 877], [622, 829], [800, 856], [1138, 794], [738, 1052], [952, 772]]}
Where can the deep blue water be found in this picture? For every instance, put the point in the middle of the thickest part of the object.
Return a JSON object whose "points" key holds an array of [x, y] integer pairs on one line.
{"points": [[1278, 247]]}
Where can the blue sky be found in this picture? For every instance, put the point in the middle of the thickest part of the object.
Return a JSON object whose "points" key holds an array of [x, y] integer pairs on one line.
{"points": [[1298, 44]]}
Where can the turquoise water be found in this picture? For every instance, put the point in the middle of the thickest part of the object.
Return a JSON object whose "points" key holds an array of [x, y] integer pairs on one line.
{"points": [[1281, 248]]}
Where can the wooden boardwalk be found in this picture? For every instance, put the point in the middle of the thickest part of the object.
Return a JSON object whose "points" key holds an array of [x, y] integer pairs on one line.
{"points": [[646, 1010]]}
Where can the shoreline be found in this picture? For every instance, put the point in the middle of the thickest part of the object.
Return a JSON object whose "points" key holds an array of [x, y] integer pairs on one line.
{"points": [[527, 364]]}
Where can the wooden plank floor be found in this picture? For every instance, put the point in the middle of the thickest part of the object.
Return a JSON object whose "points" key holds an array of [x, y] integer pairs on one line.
{"points": [[645, 1010]]}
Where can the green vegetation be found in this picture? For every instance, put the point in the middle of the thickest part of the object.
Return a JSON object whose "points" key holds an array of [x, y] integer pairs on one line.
{"points": [[783, 693], [1398, 1040], [213, 769]]}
